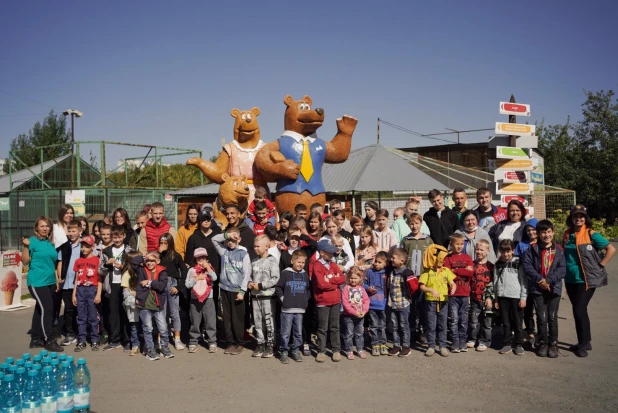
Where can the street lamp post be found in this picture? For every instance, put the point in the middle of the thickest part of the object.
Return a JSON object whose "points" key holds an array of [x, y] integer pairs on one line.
{"points": [[79, 114]]}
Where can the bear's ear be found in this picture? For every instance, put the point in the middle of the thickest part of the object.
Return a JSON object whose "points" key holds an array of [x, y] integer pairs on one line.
{"points": [[255, 111], [308, 100], [235, 113], [288, 100], [225, 177]]}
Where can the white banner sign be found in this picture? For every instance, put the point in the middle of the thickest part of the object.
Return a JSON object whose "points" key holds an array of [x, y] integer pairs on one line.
{"points": [[10, 281]]}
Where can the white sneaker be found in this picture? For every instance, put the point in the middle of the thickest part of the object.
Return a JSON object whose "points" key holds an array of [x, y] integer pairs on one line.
{"points": [[481, 347], [178, 344], [192, 348], [470, 344]]}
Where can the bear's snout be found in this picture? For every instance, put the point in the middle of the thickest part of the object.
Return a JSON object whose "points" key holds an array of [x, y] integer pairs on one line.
{"points": [[320, 111]]}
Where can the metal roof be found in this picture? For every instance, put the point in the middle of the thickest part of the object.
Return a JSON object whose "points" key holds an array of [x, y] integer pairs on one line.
{"points": [[23, 176], [372, 168]]}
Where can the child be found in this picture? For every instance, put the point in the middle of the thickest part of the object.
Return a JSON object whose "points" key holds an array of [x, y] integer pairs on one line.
{"points": [[315, 226], [176, 275], [435, 282], [332, 229], [297, 240], [293, 290], [367, 248], [375, 285], [511, 293], [233, 281], [402, 284], [545, 268], [264, 277], [326, 279], [150, 298], [129, 286], [341, 258], [68, 254], [529, 238], [285, 222], [385, 237], [83, 225], [481, 299], [261, 196], [105, 232], [355, 303], [87, 294], [273, 246], [300, 211], [113, 260], [261, 219], [458, 302], [202, 306]]}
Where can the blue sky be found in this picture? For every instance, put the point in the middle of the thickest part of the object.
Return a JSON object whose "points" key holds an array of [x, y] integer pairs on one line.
{"points": [[168, 74]]}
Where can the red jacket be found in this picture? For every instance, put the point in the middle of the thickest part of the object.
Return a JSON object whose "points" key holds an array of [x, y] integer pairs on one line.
{"points": [[153, 233], [458, 263], [327, 293]]}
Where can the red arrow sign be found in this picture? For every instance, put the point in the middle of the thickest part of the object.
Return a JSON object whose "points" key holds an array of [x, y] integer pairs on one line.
{"points": [[515, 175], [507, 198], [514, 107]]}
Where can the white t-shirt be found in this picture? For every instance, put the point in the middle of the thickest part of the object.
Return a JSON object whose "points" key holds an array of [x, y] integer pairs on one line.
{"points": [[117, 275], [509, 231], [60, 237]]}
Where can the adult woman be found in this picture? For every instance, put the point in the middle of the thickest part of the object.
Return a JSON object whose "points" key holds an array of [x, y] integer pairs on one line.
{"points": [[512, 227], [371, 207], [472, 233], [187, 229], [585, 271], [121, 218], [41, 257], [65, 215]]}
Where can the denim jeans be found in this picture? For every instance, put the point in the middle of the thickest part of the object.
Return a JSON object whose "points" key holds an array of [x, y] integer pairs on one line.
{"points": [[377, 327], [546, 308], [458, 311], [291, 324], [135, 330], [437, 315], [159, 317], [400, 320], [352, 333], [480, 324], [173, 304]]}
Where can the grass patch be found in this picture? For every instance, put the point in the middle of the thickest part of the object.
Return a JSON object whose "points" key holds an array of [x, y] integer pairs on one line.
{"points": [[26, 296]]}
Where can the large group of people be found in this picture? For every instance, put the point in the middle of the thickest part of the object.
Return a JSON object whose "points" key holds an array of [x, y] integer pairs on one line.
{"points": [[299, 281]]}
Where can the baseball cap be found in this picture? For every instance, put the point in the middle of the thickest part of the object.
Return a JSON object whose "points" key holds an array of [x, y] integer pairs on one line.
{"points": [[200, 252], [578, 209], [208, 206], [204, 215], [88, 239], [325, 245]]}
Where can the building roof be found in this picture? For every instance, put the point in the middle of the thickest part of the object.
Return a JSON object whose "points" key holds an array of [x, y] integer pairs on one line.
{"points": [[23, 176], [372, 168]]}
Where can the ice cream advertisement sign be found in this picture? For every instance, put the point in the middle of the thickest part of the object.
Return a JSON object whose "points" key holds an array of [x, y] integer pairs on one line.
{"points": [[10, 281]]}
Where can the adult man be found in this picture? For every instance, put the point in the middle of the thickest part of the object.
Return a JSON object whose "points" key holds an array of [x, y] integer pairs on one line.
{"points": [[441, 220], [335, 205], [400, 226], [460, 199], [487, 213], [247, 237], [154, 228]]}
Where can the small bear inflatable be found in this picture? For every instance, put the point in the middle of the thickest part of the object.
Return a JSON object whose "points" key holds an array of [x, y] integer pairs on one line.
{"points": [[233, 191]]}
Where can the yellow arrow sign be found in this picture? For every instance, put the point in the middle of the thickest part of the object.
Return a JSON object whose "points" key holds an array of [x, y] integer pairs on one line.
{"points": [[515, 129]]}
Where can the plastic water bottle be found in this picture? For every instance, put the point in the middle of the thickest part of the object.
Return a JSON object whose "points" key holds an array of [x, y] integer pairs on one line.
{"points": [[26, 356], [62, 357], [20, 363], [28, 366], [10, 360], [66, 387], [82, 387], [53, 355], [4, 367], [37, 367], [55, 365], [20, 380], [37, 358], [31, 396], [13, 369], [43, 353], [1, 389], [49, 388], [71, 360], [12, 401], [46, 361]]}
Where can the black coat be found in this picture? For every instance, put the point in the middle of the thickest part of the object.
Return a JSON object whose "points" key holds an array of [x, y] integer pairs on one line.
{"points": [[443, 227], [199, 240]]}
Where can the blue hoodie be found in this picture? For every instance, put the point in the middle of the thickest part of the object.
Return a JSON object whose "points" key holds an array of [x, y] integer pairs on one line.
{"points": [[376, 279], [524, 244]]}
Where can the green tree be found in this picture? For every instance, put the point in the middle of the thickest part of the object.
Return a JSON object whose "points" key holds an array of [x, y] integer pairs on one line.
{"points": [[52, 131], [171, 176]]}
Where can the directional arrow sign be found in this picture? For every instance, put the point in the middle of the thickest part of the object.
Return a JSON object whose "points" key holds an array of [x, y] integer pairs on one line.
{"points": [[506, 152], [507, 108], [512, 164], [519, 189], [515, 129], [505, 199], [511, 177]]}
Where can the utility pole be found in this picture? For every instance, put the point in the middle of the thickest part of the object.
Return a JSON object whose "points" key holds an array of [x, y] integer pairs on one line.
{"points": [[378, 130], [512, 119], [79, 114]]}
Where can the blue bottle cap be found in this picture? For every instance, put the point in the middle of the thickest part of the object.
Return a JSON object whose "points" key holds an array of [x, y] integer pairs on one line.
{"points": [[20, 363], [10, 360], [33, 373], [28, 365], [55, 362], [4, 366], [47, 369], [1, 375], [70, 359], [26, 356], [65, 364], [12, 368], [9, 377], [46, 360], [81, 361], [36, 366], [62, 357], [37, 358], [21, 370], [44, 353], [53, 354]]}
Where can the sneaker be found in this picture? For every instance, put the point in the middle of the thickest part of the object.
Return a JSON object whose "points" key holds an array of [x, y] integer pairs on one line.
{"points": [[454, 350], [229, 349], [152, 355], [283, 357], [295, 355], [237, 350], [212, 348], [111, 346], [68, 341], [306, 350], [336, 356], [542, 351], [405, 352], [104, 339], [552, 352], [134, 351], [192, 348], [52, 345], [259, 350], [127, 348], [444, 352], [178, 344], [320, 358], [362, 354], [80, 346], [574, 348], [463, 349], [422, 338], [166, 352], [580, 352], [505, 350], [37, 344], [519, 350], [268, 352], [383, 350], [394, 351], [470, 344], [375, 351], [430, 352], [95, 346], [350, 355], [481, 347]]}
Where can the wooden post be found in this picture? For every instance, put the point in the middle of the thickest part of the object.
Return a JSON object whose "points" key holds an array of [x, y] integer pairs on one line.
{"points": [[512, 119]]}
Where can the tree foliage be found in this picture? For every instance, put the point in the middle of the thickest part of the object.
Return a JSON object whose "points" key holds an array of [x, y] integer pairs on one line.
{"points": [[172, 176], [52, 131], [584, 156]]}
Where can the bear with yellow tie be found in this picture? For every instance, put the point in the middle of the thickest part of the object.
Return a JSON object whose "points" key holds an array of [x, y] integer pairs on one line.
{"points": [[295, 160]]}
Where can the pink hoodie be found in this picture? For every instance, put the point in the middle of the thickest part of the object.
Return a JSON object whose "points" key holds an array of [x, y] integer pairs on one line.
{"points": [[354, 300]]}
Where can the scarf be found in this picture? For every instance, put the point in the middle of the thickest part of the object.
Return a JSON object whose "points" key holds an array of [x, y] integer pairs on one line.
{"points": [[202, 288]]}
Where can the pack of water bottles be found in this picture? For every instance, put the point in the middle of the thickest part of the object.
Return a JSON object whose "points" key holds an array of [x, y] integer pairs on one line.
{"points": [[44, 383]]}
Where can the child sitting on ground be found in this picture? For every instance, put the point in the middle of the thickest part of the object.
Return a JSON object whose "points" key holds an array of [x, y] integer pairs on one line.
{"points": [[355, 303], [375, 285], [481, 299]]}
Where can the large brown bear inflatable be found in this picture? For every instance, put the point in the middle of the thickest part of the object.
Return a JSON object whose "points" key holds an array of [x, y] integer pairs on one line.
{"points": [[295, 160], [236, 158]]}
